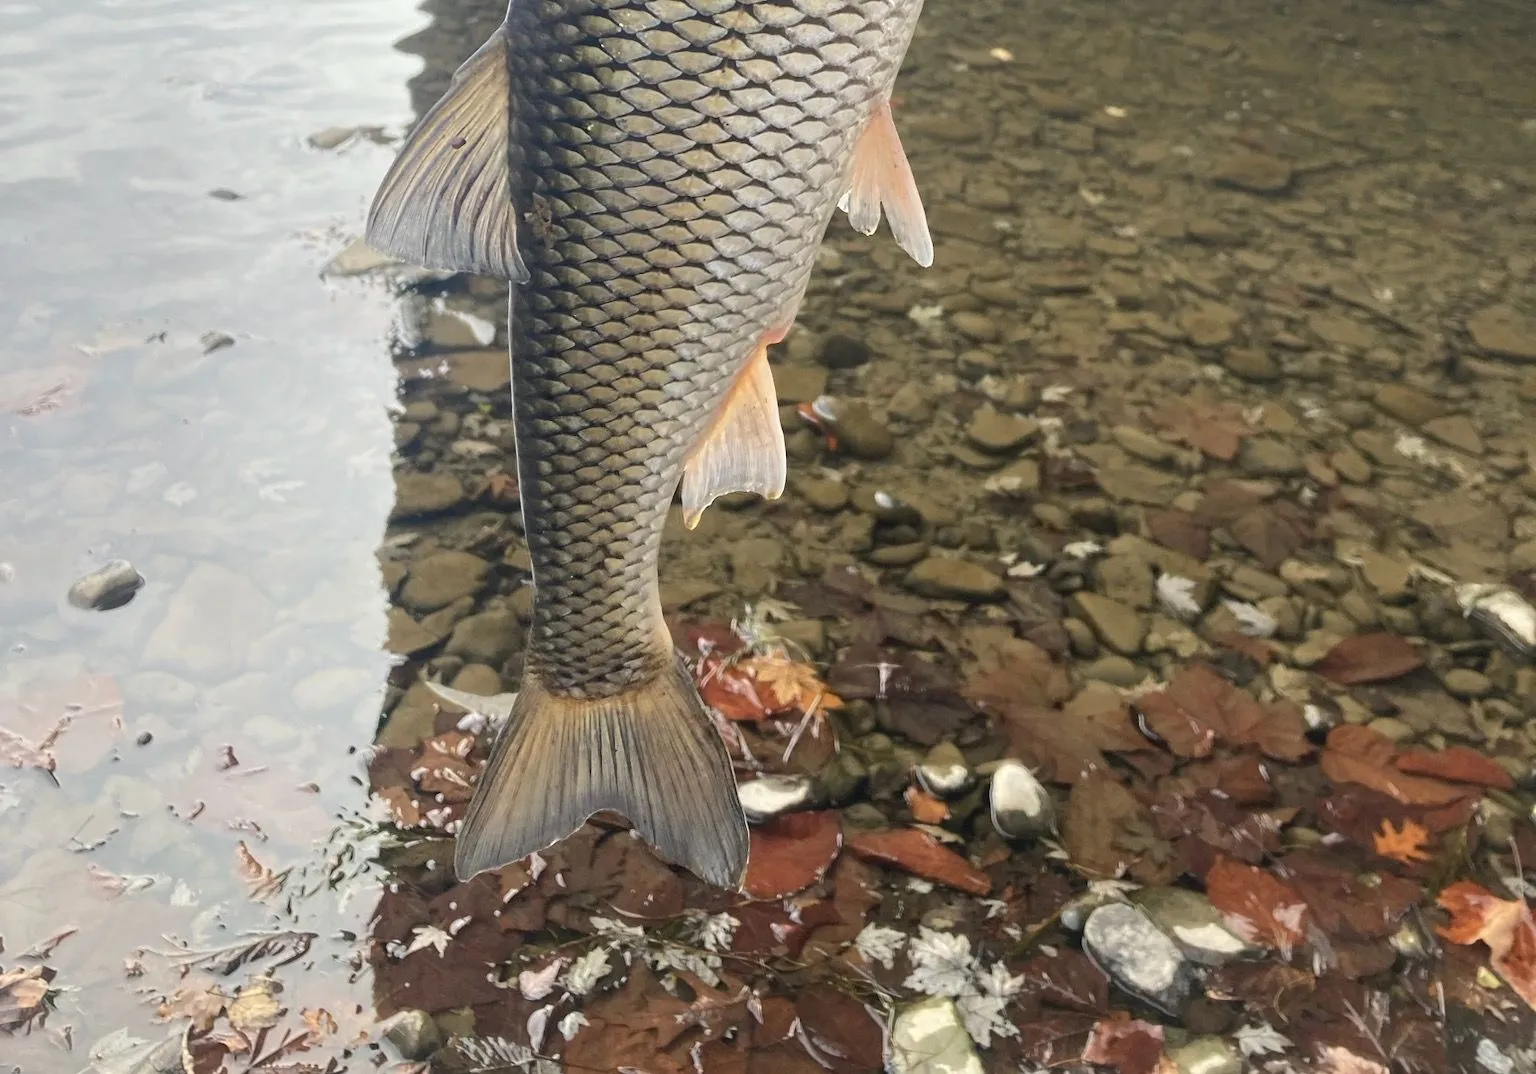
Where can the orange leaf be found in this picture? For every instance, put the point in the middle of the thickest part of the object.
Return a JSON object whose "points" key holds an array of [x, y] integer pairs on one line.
{"points": [[1505, 925], [788, 684], [1405, 844], [1260, 907], [926, 809], [920, 854], [1457, 764]]}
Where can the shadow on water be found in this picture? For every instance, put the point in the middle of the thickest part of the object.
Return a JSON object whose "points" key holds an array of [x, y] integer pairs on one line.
{"points": [[1225, 357]]}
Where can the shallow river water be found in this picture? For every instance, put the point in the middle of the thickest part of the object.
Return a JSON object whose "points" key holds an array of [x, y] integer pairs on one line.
{"points": [[1227, 357]]}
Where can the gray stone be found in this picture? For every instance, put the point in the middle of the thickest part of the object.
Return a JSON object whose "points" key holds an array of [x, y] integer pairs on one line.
{"points": [[210, 624], [861, 434], [1119, 627], [1467, 684], [1143, 444], [1194, 924], [1020, 805], [1139, 484], [488, 638], [109, 586], [439, 580], [1207, 1055], [799, 383], [1127, 579], [1000, 433], [947, 578], [771, 796], [485, 371], [1115, 670], [929, 1037], [1504, 332], [1257, 173], [425, 494], [1250, 363], [1264, 456], [844, 352], [1137, 956], [1409, 405], [414, 1034], [944, 773], [755, 564]]}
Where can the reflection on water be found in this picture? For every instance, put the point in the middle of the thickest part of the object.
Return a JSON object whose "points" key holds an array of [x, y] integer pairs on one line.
{"points": [[1237, 297], [179, 388]]}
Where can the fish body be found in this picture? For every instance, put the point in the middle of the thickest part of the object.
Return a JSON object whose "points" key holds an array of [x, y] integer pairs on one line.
{"points": [[655, 177]]}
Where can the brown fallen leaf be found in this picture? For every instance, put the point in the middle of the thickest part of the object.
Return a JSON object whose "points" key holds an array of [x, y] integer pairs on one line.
{"points": [[1260, 908], [1456, 764], [792, 852], [1404, 844], [1359, 755], [1368, 658], [24, 997], [920, 854], [1126, 1045], [1199, 708], [262, 880], [1100, 824], [1505, 925]]}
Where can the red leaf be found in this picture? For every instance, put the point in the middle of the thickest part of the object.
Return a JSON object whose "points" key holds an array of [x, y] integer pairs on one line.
{"points": [[1368, 658], [1126, 1045], [731, 691], [1360, 755], [1457, 764], [920, 854], [1259, 907], [792, 852]]}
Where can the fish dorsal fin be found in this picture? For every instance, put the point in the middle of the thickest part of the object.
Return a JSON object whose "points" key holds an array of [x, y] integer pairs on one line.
{"points": [[743, 450], [446, 202], [881, 177]]}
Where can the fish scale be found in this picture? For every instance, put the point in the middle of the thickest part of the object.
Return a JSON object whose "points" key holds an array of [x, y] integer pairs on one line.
{"points": [[650, 274], [655, 178]]}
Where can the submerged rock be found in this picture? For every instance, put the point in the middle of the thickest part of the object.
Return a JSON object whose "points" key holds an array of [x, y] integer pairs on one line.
{"points": [[947, 578], [1504, 332], [767, 797], [1021, 806], [1207, 1055], [1137, 956], [109, 586], [1194, 924], [414, 1033], [944, 773], [929, 1037]]}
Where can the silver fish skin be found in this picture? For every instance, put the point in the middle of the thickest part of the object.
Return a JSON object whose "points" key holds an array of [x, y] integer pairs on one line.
{"points": [[655, 177]]}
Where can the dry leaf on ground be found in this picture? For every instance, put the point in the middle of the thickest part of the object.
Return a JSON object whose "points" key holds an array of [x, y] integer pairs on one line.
{"points": [[1456, 764], [1261, 908], [1126, 1045], [1359, 755], [1200, 708], [1505, 925], [1368, 658], [921, 855], [792, 852]]}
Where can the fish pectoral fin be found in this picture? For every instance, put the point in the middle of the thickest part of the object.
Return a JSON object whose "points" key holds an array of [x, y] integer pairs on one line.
{"points": [[881, 177], [446, 202], [743, 451], [651, 753]]}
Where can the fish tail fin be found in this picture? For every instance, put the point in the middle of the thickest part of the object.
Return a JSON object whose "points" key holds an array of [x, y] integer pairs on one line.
{"points": [[650, 753]]}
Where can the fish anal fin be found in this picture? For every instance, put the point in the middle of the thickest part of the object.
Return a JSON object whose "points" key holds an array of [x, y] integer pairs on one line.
{"points": [[650, 753], [880, 178], [743, 450], [446, 202]]}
